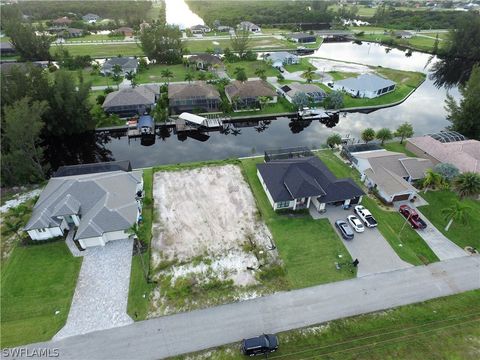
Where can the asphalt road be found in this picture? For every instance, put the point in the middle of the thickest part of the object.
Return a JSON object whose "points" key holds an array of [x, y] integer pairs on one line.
{"points": [[197, 330]]}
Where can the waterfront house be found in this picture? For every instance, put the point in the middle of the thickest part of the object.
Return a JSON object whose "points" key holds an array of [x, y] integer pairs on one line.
{"points": [[129, 102], [200, 29], [247, 25], [403, 34], [7, 49], [194, 97], [365, 86], [125, 31], [246, 95], [71, 33], [128, 64], [90, 18], [297, 183], [313, 92], [303, 38], [448, 147], [95, 208], [282, 58], [62, 21], [205, 61]]}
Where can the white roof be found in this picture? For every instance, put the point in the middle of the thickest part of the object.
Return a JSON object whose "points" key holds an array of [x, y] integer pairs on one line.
{"points": [[199, 120]]}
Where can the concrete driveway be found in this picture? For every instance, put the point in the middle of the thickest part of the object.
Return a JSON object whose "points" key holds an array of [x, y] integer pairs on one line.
{"points": [[374, 253], [101, 295]]}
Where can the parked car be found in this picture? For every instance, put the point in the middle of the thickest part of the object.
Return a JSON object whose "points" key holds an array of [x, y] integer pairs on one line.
{"points": [[412, 216], [365, 216], [356, 223], [260, 345], [345, 230]]}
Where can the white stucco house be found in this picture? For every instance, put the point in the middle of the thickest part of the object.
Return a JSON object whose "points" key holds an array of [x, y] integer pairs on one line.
{"points": [[365, 86], [98, 206]]}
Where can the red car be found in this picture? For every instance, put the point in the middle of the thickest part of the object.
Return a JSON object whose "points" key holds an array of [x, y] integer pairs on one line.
{"points": [[412, 216]]}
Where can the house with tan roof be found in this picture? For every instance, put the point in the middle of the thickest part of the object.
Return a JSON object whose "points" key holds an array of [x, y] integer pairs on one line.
{"points": [[128, 102], [246, 95], [444, 148], [194, 97], [390, 173], [205, 61]]}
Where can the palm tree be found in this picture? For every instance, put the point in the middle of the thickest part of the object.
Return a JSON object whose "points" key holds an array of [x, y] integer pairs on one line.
{"points": [[130, 75], [260, 73], [166, 74], [116, 74], [263, 100], [431, 180], [384, 135], [308, 75], [117, 79], [368, 135], [202, 76], [189, 77], [467, 184], [457, 212]]}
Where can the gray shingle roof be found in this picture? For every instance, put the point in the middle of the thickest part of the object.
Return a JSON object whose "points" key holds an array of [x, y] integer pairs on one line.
{"points": [[368, 82], [104, 201], [80, 169], [197, 89], [302, 177], [209, 58], [145, 94], [125, 62], [300, 36], [248, 89], [281, 56]]}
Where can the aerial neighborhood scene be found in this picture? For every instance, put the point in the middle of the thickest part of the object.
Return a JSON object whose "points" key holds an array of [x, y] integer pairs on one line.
{"points": [[219, 179]]}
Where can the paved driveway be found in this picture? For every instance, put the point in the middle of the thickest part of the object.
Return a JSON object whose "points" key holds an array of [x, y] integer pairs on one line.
{"points": [[197, 330], [101, 295], [374, 253]]}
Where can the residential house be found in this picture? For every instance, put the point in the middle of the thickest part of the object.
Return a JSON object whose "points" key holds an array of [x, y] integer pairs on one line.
{"points": [[223, 28], [335, 35], [205, 61], [90, 18], [303, 38], [365, 86], [282, 58], [7, 67], [247, 25], [96, 208], [390, 173], [448, 147], [194, 97], [93, 168], [246, 95], [298, 183], [128, 64], [200, 29], [7, 49], [71, 32], [403, 34], [132, 101], [314, 92], [62, 21], [125, 31]]}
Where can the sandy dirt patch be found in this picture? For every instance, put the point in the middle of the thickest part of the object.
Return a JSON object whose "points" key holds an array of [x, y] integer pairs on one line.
{"points": [[332, 65]]}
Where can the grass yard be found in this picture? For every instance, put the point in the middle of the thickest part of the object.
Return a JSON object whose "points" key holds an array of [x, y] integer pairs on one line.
{"points": [[102, 50], [256, 43], [154, 73], [444, 328], [37, 281], [96, 37], [307, 247], [250, 67], [462, 235], [139, 291], [340, 75], [409, 246], [281, 106], [303, 65], [397, 147]]}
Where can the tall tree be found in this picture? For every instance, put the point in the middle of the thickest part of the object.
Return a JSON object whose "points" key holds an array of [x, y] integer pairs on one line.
{"points": [[334, 100], [384, 134], [368, 135], [162, 43], [468, 184], [189, 77], [260, 72], [334, 139], [300, 99], [27, 43], [240, 42], [23, 161], [166, 74], [405, 130], [457, 212], [464, 116], [309, 74]]}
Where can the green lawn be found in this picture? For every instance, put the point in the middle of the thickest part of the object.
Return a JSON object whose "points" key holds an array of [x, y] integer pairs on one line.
{"points": [[139, 291], [256, 43], [102, 50], [409, 246], [37, 281], [281, 106], [303, 65], [462, 235], [96, 37], [340, 75], [397, 147], [309, 248], [250, 67], [419, 43], [444, 328], [154, 73]]}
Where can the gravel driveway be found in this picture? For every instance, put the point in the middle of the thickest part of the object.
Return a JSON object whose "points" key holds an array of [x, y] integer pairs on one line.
{"points": [[374, 253], [101, 295]]}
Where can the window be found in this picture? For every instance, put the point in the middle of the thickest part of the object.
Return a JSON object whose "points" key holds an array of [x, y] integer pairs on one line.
{"points": [[283, 204]]}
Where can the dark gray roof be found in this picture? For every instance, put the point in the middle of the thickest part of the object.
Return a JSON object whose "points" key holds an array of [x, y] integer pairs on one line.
{"points": [[212, 59], [6, 46], [300, 35], [124, 62], [362, 147], [140, 95], [69, 170], [301, 177]]}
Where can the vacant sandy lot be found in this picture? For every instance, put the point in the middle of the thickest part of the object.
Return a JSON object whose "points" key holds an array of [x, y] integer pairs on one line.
{"points": [[208, 215]]}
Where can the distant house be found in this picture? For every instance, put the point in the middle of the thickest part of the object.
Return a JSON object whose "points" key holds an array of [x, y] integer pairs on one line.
{"points": [[125, 31], [7, 67], [247, 25], [91, 18], [128, 102], [223, 28], [126, 63], [403, 34], [282, 58], [303, 38], [298, 183], [205, 61], [365, 86], [246, 95], [390, 173], [200, 29], [7, 48], [448, 147], [62, 21], [96, 207], [195, 97], [71, 32], [314, 92]]}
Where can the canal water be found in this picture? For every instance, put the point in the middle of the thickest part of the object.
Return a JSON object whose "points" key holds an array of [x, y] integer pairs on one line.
{"points": [[424, 109]]}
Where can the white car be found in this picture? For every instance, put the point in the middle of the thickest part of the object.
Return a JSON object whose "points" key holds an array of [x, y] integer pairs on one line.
{"points": [[356, 223]]}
